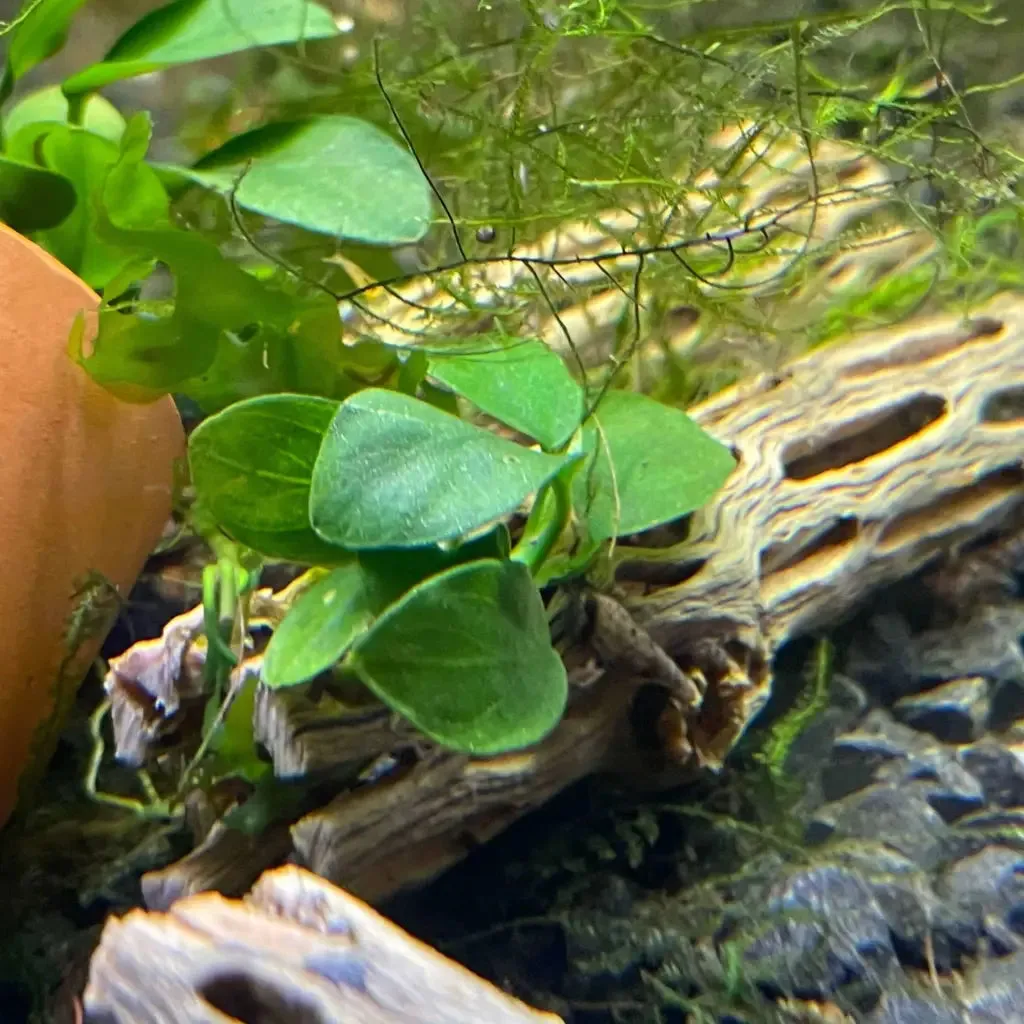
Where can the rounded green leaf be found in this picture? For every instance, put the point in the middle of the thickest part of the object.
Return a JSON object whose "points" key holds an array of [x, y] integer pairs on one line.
{"points": [[251, 466], [334, 175], [521, 383], [322, 624], [191, 30], [318, 630], [48, 105], [665, 466], [466, 657], [396, 472]]}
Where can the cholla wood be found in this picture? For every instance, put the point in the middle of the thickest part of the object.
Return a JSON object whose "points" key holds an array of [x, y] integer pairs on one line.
{"points": [[858, 464], [763, 209], [295, 950], [867, 462]]}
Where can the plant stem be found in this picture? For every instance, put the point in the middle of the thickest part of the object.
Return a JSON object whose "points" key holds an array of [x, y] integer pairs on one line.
{"points": [[544, 525]]}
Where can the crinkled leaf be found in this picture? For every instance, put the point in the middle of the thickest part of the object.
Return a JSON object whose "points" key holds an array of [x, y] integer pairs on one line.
{"points": [[109, 180], [396, 472], [467, 658], [49, 105], [521, 383], [334, 175], [251, 466], [33, 198], [39, 35], [191, 30], [665, 466], [228, 337]]}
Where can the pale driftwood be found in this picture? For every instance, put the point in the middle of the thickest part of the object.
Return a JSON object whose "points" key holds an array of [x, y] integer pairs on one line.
{"points": [[226, 861], [303, 733], [859, 464], [780, 552], [295, 951], [865, 463]]}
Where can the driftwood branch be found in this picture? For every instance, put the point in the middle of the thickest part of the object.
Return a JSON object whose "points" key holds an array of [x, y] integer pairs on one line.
{"points": [[295, 951], [858, 464], [868, 461]]}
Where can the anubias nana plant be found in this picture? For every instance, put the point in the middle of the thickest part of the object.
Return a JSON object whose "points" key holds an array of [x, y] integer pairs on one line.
{"points": [[393, 473]]}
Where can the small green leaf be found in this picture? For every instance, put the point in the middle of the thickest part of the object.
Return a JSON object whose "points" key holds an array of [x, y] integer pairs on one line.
{"points": [[521, 383], [274, 801], [333, 175], [396, 472], [467, 658], [46, 106], [251, 466], [102, 173], [234, 744], [191, 30], [664, 466], [320, 627], [325, 620], [32, 198], [39, 35]]}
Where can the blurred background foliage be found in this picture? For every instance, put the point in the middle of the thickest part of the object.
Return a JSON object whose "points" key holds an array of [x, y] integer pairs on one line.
{"points": [[527, 113]]}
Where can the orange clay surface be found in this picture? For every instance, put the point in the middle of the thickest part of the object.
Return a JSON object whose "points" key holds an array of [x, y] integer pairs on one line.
{"points": [[85, 484]]}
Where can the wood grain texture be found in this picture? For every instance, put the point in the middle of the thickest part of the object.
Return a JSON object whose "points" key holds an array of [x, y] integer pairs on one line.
{"points": [[858, 464], [295, 951]]}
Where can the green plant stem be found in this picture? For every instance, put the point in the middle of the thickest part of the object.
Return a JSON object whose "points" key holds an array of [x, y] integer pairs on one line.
{"points": [[544, 526]]}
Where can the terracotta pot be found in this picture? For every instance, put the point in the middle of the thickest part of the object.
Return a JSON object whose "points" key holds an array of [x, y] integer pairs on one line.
{"points": [[85, 487]]}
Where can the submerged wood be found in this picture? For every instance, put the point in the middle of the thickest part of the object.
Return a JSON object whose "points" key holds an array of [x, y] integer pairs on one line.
{"points": [[296, 950], [858, 464], [861, 464]]}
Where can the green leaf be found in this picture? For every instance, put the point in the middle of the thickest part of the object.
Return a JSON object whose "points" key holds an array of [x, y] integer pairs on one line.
{"points": [[396, 472], [229, 336], [320, 627], [39, 35], [191, 30], [466, 657], [664, 466], [46, 106], [234, 744], [251, 466], [102, 173], [334, 175], [325, 620], [521, 383], [32, 198]]}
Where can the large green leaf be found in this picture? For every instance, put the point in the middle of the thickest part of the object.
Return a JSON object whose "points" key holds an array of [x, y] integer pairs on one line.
{"points": [[251, 466], [334, 175], [39, 34], [466, 657], [191, 30], [521, 383], [32, 198], [396, 472], [648, 463], [109, 180]]}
